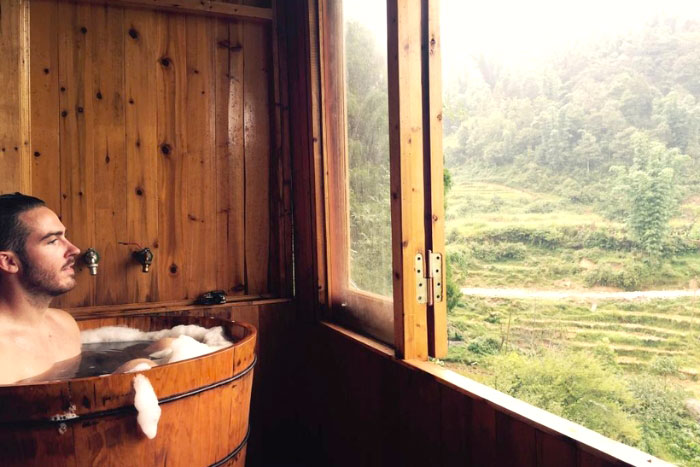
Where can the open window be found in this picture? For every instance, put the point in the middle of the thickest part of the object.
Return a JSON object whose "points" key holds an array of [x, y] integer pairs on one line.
{"points": [[382, 149]]}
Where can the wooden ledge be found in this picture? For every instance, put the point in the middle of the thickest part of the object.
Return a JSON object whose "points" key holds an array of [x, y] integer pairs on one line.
{"points": [[106, 311], [588, 440], [208, 7]]}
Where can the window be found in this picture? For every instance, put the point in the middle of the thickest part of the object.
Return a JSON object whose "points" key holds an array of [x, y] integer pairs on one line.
{"points": [[380, 166]]}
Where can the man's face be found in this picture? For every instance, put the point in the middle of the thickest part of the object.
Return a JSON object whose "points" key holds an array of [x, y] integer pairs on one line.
{"points": [[48, 258]]}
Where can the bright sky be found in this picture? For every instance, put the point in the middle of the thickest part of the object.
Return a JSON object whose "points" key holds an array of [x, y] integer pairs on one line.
{"points": [[516, 31]]}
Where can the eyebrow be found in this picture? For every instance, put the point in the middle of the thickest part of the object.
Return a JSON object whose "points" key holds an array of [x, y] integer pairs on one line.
{"points": [[51, 234]]}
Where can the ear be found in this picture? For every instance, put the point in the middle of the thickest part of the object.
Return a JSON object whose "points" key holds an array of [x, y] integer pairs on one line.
{"points": [[9, 263]]}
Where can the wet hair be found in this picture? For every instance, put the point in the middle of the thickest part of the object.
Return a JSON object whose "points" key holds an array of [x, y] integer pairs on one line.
{"points": [[13, 232]]}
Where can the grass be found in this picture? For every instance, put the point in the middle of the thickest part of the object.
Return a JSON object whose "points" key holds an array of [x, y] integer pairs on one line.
{"points": [[504, 237], [557, 243]]}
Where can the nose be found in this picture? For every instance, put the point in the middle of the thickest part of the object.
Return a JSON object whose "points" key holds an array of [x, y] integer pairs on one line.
{"points": [[72, 249]]}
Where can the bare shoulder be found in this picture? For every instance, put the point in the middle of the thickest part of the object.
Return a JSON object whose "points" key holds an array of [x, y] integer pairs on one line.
{"points": [[64, 320]]}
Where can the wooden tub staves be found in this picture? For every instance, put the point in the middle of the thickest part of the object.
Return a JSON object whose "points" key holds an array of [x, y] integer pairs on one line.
{"points": [[205, 404]]}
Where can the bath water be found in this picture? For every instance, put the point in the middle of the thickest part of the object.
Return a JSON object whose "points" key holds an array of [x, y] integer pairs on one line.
{"points": [[95, 360]]}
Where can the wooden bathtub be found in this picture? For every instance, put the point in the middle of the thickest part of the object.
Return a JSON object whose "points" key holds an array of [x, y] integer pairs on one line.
{"points": [[205, 404]]}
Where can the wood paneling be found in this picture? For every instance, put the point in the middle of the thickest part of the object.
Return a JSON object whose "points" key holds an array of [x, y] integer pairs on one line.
{"points": [[140, 36], [107, 52], [171, 76], [45, 113], [153, 129], [255, 10], [199, 163], [366, 416], [256, 124], [14, 150], [304, 136], [77, 137], [230, 174]]}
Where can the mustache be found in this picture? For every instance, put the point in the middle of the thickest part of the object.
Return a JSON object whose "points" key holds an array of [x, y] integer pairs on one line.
{"points": [[69, 263]]}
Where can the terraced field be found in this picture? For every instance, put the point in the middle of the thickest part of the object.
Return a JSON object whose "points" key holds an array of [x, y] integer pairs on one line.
{"points": [[634, 333], [623, 357]]}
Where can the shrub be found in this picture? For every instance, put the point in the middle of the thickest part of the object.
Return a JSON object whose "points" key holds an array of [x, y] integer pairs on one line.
{"points": [[677, 244], [536, 237], [540, 207], [484, 346], [663, 366], [454, 295], [630, 277], [495, 204], [497, 252], [493, 318], [668, 429], [454, 335], [608, 240], [574, 385]]}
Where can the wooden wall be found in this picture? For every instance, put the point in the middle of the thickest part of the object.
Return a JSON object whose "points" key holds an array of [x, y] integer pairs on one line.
{"points": [[367, 408], [155, 129]]}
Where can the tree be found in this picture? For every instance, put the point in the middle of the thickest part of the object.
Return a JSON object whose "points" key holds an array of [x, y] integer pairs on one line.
{"points": [[650, 191], [368, 160]]}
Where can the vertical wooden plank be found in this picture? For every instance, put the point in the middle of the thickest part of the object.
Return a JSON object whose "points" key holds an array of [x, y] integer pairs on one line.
{"points": [[454, 433], [517, 444], [140, 34], [280, 280], [77, 139], [332, 73], [320, 265], [200, 224], [286, 234], [407, 188], [45, 112], [553, 451], [256, 114], [107, 56], [432, 128], [309, 233], [230, 174], [419, 409], [14, 138], [276, 269], [171, 81], [482, 429]]}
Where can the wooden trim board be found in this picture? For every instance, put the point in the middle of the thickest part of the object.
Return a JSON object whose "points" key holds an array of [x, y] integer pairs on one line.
{"points": [[208, 7]]}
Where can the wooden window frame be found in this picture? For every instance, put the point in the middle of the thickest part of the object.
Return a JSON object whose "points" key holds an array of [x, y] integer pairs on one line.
{"points": [[416, 187]]}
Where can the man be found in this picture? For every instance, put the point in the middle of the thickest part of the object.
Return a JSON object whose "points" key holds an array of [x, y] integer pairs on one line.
{"points": [[36, 265]]}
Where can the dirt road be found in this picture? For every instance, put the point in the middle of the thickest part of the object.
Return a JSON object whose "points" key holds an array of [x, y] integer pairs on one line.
{"points": [[580, 294]]}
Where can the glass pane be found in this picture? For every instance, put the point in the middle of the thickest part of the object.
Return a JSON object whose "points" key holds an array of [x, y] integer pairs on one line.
{"points": [[367, 107], [572, 138]]}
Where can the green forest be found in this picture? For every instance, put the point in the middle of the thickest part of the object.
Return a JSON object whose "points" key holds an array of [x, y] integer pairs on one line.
{"points": [[578, 173]]}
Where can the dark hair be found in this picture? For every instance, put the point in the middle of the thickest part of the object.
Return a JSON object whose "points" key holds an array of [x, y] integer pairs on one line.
{"points": [[13, 232]]}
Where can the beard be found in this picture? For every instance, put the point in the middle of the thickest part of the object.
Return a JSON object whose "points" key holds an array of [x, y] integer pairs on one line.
{"points": [[41, 282]]}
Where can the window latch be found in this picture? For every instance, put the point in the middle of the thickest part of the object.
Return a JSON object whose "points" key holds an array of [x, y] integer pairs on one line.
{"points": [[429, 278]]}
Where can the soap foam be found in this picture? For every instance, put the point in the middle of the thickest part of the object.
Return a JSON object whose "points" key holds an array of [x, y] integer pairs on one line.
{"points": [[146, 403], [190, 340]]}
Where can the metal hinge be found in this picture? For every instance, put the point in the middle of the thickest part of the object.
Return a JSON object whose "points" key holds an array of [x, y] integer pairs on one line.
{"points": [[429, 278]]}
